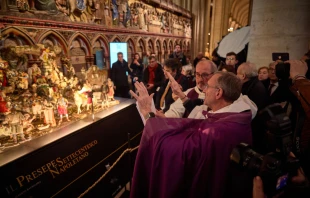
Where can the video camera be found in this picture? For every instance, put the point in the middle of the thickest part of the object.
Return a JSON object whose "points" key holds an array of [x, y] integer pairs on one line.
{"points": [[276, 167]]}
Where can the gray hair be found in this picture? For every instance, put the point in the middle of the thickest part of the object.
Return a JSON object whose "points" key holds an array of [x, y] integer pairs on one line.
{"points": [[211, 63], [248, 69], [230, 84]]}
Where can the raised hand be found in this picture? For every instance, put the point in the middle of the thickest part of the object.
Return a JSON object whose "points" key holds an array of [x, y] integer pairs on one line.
{"points": [[175, 87], [298, 67], [143, 98]]}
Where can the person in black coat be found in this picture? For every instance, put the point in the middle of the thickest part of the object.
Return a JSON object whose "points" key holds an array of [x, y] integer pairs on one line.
{"points": [[251, 86], [255, 90], [119, 74], [137, 69], [278, 90], [164, 96], [153, 76], [178, 54]]}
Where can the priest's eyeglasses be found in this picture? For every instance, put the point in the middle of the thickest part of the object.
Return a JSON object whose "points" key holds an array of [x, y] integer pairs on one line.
{"points": [[203, 75]]}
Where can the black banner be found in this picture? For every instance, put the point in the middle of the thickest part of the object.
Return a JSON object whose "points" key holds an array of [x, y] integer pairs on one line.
{"points": [[67, 167]]}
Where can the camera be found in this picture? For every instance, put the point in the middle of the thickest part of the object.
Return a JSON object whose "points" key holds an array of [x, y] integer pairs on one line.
{"points": [[276, 167]]}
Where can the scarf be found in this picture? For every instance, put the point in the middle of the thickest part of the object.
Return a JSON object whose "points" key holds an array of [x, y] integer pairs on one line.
{"points": [[152, 74]]}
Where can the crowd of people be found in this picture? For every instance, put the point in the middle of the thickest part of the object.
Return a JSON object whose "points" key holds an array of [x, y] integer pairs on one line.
{"points": [[190, 157]]}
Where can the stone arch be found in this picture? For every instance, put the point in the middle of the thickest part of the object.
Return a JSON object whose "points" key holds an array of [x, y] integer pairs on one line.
{"points": [[184, 47], [21, 35], [150, 46], [175, 43], [238, 8], [100, 51], [15, 37], [170, 46], [131, 50], [83, 40], [80, 52], [52, 38], [116, 39], [158, 49], [141, 46], [165, 49], [55, 38]]}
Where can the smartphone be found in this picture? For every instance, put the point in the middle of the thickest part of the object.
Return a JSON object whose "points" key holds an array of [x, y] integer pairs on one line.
{"points": [[280, 56]]}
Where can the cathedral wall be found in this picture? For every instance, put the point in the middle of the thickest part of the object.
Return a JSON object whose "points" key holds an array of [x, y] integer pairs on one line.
{"points": [[79, 29]]}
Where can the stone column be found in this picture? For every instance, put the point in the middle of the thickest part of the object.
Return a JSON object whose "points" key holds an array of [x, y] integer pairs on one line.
{"points": [[216, 27], [3, 5], [201, 9], [278, 27]]}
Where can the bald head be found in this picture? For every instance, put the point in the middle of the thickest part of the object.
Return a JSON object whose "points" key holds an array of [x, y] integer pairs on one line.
{"points": [[246, 71]]}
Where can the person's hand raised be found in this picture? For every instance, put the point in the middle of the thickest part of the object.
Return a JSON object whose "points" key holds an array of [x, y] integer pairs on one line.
{"points": [[175, 87], [298, 67], [143, 98]]}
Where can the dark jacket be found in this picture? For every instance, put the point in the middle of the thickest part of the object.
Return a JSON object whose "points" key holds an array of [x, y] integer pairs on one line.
{"points": [[256, 91], [159, 77], [181, 57], [281, 94], [182, 80], [137, 70], [119, 75]]}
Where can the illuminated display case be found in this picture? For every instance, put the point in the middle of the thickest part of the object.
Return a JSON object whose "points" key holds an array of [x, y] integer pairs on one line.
{"points": [[64, 163]]}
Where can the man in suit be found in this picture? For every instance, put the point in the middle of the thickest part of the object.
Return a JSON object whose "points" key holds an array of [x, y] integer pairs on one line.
{"points": [[119, 74], [278, 90]]}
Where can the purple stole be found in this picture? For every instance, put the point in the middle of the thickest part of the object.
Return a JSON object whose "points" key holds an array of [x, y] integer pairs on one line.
{"points": [[192, 95]]}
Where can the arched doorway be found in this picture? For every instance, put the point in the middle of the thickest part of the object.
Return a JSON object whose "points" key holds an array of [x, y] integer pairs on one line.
{"points": [[166, 52], [141, 46], [15, 48], [79, 53], [158, 50], [170, 47], [56, 42], [130, 51], [100, 52]]}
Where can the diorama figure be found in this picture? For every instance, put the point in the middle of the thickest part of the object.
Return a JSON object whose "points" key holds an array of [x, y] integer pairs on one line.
{"points": [[70, 71], [87, 90], [23, 80], [27, 123], [15, 121], [62, 105], [48, 110], [111, 89], [36, 106], [34, 71], [104, 96]]}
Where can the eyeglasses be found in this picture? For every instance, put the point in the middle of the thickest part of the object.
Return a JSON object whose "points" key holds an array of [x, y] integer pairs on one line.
{"points": [[230, 59], [203, 75]]}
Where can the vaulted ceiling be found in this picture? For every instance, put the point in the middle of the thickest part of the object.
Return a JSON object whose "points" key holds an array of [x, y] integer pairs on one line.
{"points": [[240, 11]]}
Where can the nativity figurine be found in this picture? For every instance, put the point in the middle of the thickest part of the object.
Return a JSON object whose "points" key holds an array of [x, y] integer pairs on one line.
{"points": [[62, 107]]}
